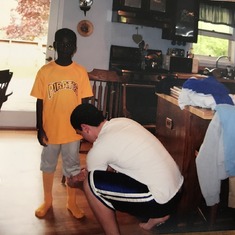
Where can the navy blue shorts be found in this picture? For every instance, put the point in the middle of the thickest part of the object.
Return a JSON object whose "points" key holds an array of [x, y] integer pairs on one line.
{"points": [[122, 193]]}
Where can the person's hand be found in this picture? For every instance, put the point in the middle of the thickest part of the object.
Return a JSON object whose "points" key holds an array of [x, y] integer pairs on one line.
{"points": [[82, 175], [76, 181], [42, 137]]}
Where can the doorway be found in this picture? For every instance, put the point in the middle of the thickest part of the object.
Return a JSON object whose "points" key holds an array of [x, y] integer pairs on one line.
{"points": [[24, 54]]}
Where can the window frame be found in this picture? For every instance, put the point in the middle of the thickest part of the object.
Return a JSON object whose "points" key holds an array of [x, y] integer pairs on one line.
{"points": [[210, 61]]}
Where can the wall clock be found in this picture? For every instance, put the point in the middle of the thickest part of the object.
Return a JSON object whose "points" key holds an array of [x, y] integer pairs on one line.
{"points": [[85, 28]]}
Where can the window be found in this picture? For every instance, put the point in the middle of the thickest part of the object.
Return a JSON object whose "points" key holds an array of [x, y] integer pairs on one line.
{"points": [[211, 46], [23, 21], [23, 38], [213, 40], [216, 36]]}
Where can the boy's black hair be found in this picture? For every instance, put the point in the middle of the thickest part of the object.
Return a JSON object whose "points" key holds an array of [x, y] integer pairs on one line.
{"points": [[86, 114], [65, 32]]}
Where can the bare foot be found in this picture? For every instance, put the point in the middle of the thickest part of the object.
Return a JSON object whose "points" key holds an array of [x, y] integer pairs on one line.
{"points": [[153, 222]]}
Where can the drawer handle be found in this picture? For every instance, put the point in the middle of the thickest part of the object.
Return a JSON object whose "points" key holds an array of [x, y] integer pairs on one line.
{"points": [[169, 123]]}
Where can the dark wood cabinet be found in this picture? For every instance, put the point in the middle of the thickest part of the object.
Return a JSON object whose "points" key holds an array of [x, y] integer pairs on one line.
{"points": [[159, 6], [177, 18], [184, 22], [182, 133], [141, 12], [127, 5], [140, 5]]}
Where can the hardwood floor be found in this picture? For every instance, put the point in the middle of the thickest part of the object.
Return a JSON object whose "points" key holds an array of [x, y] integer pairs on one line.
{"points": [[21, 193]]}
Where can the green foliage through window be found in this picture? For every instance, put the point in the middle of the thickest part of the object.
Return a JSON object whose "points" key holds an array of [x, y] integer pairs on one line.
{"points": [[210, 46], [215, 45]]}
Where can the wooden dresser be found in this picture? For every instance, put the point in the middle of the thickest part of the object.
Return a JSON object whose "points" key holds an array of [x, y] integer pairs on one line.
{"points": [[182, 132]]}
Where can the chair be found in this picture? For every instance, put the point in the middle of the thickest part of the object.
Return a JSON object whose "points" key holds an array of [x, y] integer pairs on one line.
{"points": [[5, 78], [106, 86], [106, 96]]}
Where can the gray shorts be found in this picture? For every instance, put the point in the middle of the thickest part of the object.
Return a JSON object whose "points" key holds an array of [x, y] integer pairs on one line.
{"points": [[70, 158]]}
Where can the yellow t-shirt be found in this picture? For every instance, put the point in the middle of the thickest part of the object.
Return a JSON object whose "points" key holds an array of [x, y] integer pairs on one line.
{"points": [[61, 88]]}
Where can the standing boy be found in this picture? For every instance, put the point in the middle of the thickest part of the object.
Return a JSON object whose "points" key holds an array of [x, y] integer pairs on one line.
{"points": [[59, 87]]}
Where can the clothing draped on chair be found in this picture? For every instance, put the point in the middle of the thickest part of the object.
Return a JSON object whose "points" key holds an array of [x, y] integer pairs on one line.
{"points": [[216, 157], [5, 78]]}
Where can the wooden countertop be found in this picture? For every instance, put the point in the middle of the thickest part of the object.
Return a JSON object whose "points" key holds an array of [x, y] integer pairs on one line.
{"points": [[200, 112], [189, 75], [201, 76]]}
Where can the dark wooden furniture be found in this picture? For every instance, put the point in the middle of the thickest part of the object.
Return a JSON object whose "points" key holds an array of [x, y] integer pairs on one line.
{"points": [[106, 86], [182, 133], [142, 12], [5, 78], [184, 22], [137, 95], [134, 99]]}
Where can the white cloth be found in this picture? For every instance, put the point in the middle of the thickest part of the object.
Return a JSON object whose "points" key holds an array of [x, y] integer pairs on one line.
{"points": [[190, 97], [210, 162], [132, 150]]}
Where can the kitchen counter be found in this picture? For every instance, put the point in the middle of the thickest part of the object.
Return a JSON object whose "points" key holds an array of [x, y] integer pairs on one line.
{"points": [[182, 133], [200, 112], [188, 75], [229, 83]]}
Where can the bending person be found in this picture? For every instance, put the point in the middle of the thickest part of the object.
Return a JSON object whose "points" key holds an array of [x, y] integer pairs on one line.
{"points": [[129, 170]]}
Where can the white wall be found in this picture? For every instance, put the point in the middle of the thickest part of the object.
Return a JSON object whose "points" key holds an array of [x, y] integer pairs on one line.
{"points": [[93, 51]]}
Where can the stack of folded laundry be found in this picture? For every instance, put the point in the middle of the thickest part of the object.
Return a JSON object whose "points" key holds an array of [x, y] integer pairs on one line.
{"points": [[175, 91], [204, 93]]}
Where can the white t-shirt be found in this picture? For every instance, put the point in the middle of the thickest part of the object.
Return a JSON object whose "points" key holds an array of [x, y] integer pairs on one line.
{"points": [[132, 150]]}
